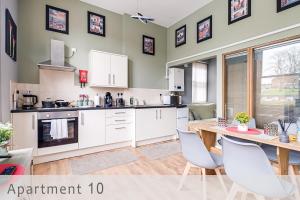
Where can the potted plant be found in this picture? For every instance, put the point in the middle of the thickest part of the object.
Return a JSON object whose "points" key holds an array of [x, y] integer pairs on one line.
{"points": [[243, 119], [6, 131]]}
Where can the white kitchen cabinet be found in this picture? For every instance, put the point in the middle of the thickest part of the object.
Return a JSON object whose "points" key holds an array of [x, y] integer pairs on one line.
{"points": [[25, 131], [91, 128], [154, 123], [108, 70]]}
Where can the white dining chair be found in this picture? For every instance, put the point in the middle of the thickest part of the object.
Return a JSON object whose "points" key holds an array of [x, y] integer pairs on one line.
{"points": [[248, 167], [196, 154]]}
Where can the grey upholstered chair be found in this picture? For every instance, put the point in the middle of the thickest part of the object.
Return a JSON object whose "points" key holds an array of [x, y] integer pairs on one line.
{"points": [[248, 167], [196, 154]]}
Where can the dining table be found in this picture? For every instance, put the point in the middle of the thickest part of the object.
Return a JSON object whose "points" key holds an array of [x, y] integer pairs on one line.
{"points": [[208, 131]]}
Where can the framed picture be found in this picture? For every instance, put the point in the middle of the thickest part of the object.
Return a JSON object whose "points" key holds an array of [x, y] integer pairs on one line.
{"points": [[286, 4], [238, 10], [204, 29], [57, 20], [180, 36], [10, 36], [148, 45], [96, 24]]}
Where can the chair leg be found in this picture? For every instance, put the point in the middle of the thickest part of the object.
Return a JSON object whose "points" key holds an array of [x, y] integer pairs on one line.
{"points": [[219, 175], [184, 175], [233, 191], [294, 181], [203, 170]]}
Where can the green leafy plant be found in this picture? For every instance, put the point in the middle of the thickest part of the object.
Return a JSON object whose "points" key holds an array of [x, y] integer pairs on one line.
{"points": [[242, 117], [6, 131]]}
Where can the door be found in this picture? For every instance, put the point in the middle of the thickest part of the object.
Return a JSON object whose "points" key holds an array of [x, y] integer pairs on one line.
{"points": [[167, 122], [146, 124], [25, 131], [91, 128], [119, 71], [100, 69]]}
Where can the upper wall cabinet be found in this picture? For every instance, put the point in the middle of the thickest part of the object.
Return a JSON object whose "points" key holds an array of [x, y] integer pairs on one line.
{"points": [[108, 70]]}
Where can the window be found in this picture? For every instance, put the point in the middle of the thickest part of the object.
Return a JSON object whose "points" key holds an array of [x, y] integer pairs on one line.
{"points": [[199, 83], [277, 83]]}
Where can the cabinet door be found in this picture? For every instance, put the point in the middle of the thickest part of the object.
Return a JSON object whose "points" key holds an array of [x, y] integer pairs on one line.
{"points": [[146, 120], [167, 121], [25, 131], [99, 69], [119, 71], [91, 128]]}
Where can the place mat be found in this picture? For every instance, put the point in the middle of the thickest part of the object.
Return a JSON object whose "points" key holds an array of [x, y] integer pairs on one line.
{"points": [[251, 131]]}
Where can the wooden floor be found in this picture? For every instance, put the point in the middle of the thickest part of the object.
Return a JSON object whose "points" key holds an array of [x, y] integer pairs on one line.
{"points": [[171, 165]]}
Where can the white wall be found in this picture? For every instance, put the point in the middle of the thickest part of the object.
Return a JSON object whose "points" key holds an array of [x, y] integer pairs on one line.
{"points": [[8, 67]]}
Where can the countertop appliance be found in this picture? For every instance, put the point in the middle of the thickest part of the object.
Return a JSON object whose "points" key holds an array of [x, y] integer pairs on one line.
{"points": [[108, 100], [182, 118], [29, 101], [57, 128], [120, 101], [48, 103], [176, 80], [172, 100]]}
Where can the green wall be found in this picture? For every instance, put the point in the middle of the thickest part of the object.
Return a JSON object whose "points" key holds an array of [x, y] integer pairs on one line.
{"points": [[123, 35], [264, 19]]}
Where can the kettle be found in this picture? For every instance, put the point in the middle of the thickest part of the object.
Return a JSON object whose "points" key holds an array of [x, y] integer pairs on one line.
{"points": [[108, 101], [29, 101]]}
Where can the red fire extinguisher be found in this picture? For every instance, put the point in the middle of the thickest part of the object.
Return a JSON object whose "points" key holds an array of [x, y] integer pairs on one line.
{"points": [[83, 77]]}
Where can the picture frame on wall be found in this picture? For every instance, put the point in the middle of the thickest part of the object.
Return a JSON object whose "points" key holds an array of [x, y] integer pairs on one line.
{"points": [[180, 36], [286, 4], [10, 36], [148, 45], [204, 29], [57, 19], [238, 10], [96, 24]]}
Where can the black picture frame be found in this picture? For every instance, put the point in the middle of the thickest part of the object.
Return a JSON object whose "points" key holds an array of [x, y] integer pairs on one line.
{"points": [[89, 15], [210, 18], [49, 28], [282, 8], [177, 32], [145, 50], [10, 36], [230, 21]]}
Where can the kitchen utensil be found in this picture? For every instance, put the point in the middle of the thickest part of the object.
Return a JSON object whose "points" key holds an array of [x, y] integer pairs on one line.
{"points": [[120, 101], [29, 101], [48, 103], [62, 103], [108, 101]]}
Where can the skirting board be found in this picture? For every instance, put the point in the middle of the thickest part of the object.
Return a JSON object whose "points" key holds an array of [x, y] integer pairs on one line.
{"points": [[80, 152]]}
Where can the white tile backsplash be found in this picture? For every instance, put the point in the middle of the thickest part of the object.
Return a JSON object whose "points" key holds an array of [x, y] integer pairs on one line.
{"points": [[61, 85]]}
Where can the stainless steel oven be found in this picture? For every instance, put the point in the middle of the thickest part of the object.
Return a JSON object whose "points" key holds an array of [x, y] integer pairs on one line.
{"points": [[57, 128]]}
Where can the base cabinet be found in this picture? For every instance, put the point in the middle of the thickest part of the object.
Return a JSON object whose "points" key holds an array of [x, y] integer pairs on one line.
{"points": [[25, 131], [91, 128], [155, 123]]}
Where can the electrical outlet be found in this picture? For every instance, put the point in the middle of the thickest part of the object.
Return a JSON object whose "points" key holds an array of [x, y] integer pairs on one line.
{"points": [[74, 50]]}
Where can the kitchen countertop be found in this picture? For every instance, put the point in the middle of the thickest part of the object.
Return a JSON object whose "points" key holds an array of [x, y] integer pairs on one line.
{"points": [[94, 108]]}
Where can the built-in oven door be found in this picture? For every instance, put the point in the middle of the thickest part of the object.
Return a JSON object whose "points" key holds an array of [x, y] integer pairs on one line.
{"points": [[56, 132]]}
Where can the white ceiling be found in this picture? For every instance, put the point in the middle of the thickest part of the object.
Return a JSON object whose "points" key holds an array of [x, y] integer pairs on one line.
{"points": [[165, 12]]}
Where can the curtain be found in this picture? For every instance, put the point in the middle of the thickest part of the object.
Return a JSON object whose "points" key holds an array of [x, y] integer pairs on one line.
{"points": [[199, 83]]}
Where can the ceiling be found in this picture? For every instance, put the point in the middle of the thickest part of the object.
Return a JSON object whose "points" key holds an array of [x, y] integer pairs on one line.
{"points": [[165, 12]]}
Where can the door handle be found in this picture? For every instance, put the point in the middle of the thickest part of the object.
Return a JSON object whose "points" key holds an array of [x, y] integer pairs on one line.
{"points": [[33, 122], [82, 119]]}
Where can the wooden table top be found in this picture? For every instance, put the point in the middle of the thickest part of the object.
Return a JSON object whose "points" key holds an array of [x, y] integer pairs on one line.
{"points": [[211, 126]]}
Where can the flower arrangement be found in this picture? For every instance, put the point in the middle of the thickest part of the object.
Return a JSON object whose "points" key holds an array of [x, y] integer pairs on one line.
{"points": [[242, 117], [6, 131]]}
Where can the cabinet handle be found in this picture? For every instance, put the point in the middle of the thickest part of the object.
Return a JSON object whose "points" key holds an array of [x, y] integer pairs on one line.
{"points": [[118, 113], [109, 79], [33, 122], [114, 80], [120, 128], [82, 119], [156, 114], [160, 114], [120, 120]]}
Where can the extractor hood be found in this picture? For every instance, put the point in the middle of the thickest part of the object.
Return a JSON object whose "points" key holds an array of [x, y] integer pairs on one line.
{"points": [[57, 61]]}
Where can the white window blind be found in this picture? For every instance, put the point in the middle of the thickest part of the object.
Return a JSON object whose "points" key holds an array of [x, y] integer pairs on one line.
{"points": [[199, 83]]}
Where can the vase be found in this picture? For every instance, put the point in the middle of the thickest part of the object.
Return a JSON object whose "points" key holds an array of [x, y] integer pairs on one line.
{"points": [[242, 127], [3, 148]]}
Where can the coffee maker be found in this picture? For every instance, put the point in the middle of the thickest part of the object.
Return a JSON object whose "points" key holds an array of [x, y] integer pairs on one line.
{"points": [[108, 101]]}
